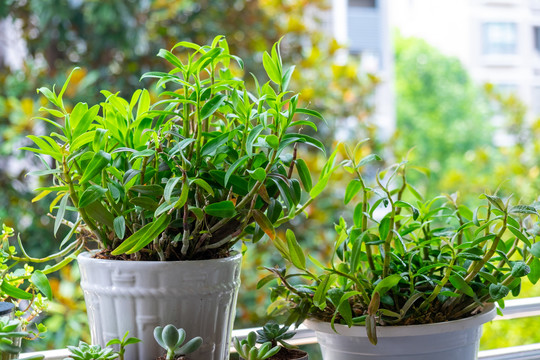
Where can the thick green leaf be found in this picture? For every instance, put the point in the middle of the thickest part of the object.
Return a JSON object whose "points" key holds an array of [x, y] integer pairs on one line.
{"points": [[387, 283], [352, 189], [145, 202], [210, 107], [498, 291], [60, 213], [143, 236], [169, 187], [14, 291], [295, 251], [99, 161], [39, 279], [253, 134], [524, 209], [460, 284], [271, 69], [119, 226], [223, 209], [241, 161], [519, 235], [211, 146], [534, 275], [304, 174], [520, 269], [535, 249], [204, 185], [319, 299], [93, 193]]}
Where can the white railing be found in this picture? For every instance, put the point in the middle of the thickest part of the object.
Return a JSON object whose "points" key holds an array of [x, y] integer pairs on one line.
{"points": [[519, 308]]}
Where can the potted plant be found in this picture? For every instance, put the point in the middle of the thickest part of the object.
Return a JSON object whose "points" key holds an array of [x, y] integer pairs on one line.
{"points": [[166, 189], [172, 340], [411, 278], [273, 345]]}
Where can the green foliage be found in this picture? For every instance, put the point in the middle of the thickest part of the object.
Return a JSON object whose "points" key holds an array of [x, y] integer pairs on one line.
{"points": [[275, 334], [195, 169], [122, 344], [441, 113], [91, 352], [248, 350], [171, 339], [411, 262], [9, 332]]}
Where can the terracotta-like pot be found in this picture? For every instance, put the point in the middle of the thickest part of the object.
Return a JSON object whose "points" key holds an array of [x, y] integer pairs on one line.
{"points": [[136, 296], [450, 340]]}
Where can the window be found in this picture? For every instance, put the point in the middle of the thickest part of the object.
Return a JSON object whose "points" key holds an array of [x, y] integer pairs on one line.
{"points": [[499, 38], [363, 3], [536, 37]]}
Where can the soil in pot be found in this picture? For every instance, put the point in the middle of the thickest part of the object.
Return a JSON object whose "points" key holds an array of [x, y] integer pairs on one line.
{"points": [[177, 357], [290, 354]]}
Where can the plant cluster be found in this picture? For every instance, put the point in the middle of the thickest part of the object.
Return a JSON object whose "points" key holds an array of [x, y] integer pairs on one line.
{"points": [[409, 262], [275, 334], [248, 350], [9, 333], [188, 176], [171, 339], [87, 352]]}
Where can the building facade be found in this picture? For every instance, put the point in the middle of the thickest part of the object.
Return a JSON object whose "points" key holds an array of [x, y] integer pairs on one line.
{"points": [[498, 41]]}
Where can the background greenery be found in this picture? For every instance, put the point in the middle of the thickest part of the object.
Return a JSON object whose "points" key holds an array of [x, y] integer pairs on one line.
{"points": [[441, 113]]}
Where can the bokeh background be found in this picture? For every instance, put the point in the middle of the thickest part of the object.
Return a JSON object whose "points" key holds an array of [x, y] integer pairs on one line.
{"points": [[449, 85]]}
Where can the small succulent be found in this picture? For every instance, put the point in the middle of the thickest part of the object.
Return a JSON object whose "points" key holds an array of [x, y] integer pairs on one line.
{"points": [[123, 343], [275, 334], [91, 352], [248, 350], [171, 339]]}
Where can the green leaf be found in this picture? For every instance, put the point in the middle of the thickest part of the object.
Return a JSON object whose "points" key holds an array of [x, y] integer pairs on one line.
{"points": [[93, 193], [210, 107], [223, 209], [519, 235], [535, 249], [39, 279], [145, 202], [241, 161], [534, 275], [271, 69], [460, 284], [143, 236], [183, 196], [14, 291], [352, 189], [119, 226], [295, 251], [368, 159], [253, 134], [211, 146], [258, 174], [384, 228], [520, 269], [60, 213], [265, 224], [387, 283], [204, 185], [99, 162], [272, 141], [169, 188], [498, 291], [304, 174], [311, 113], [524, 209], [496, 201], [319, 298]]}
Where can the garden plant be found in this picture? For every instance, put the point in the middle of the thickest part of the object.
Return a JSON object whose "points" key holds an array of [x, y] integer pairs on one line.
{"points": [[185, 177], [172, 340], [409, 260]]}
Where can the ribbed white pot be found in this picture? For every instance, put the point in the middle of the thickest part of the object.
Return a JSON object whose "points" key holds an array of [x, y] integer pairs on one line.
{"points": [[451, 340], [199, 296]]}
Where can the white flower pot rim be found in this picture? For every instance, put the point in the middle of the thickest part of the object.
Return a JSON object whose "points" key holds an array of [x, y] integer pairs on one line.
{"points": [[487, 314], [87, 256]]}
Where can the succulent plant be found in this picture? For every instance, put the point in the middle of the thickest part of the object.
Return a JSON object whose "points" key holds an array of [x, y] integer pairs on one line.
{"points": [[275, 334], [171, 339], [248, 350], [91, 352]]}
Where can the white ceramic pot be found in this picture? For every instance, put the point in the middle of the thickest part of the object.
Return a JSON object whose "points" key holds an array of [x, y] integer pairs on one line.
{"points": [[451, 340], [199, 296]]}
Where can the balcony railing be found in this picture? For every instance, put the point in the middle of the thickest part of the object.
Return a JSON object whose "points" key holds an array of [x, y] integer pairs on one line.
{"points": [[519, 308]]}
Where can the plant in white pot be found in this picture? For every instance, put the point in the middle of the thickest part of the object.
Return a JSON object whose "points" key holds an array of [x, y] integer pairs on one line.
{"points": [[409, 279], [167, 188]]}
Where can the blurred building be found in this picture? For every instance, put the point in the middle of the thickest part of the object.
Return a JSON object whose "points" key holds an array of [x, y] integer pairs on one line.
{"points": [[498, 41], [363, 25]]}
